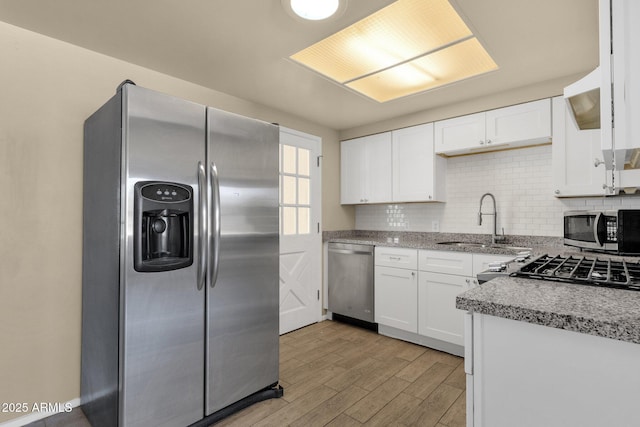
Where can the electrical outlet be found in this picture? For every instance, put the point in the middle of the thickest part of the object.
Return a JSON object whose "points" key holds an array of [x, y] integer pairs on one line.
{"points": [[435, 225]]}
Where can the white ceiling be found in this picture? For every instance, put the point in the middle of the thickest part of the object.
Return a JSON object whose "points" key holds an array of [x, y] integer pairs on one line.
{"points": [[241, 47]]}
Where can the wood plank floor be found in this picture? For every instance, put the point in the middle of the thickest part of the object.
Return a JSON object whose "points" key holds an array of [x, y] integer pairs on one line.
{"points": [[336, 374]]}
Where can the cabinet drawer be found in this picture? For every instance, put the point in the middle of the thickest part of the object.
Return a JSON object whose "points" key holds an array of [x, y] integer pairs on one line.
{"points": [[458, 263], [396, 257]]}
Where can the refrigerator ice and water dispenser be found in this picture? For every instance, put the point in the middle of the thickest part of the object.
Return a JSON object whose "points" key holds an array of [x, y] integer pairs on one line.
{"points": [[163, 219]]}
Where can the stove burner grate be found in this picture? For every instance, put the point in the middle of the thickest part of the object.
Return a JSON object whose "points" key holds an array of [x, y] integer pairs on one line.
{"points": [[590, 271]]}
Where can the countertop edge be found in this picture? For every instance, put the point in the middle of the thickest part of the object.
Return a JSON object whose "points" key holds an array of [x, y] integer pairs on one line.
{"points": [[592, 310], [567, 322]]}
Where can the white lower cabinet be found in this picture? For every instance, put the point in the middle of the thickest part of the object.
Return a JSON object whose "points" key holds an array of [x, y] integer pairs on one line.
{"points": [[444, 275], [396, 288], [437, 316], [416, 290], [395, 298], [522, 374]]}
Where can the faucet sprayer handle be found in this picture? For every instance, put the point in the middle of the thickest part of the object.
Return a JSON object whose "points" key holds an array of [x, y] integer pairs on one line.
{"points": [[479, 218]]}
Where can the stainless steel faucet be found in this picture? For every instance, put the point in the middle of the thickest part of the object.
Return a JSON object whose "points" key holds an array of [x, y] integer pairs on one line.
{"points": [[494, 237]]}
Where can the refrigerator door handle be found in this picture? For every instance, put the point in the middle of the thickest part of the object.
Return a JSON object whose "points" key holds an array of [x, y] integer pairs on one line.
{"points": [[215, 227], [202, 222]]}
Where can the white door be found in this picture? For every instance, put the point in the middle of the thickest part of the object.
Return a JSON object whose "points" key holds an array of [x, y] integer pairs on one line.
{"points": [[300, 230]]}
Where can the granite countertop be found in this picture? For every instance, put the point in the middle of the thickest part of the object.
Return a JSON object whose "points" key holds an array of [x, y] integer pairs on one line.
{"points": [[424, 240], [605, 312]]}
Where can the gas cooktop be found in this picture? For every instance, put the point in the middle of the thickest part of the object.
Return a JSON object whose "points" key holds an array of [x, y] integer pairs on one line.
{"points": [[589, 271]]}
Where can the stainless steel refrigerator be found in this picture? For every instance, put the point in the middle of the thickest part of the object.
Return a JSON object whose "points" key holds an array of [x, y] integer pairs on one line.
{"points": [[180, 260]]}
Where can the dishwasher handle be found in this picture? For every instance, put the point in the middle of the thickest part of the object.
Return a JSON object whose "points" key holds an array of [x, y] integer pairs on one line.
{"points": [[350, 249], [349, 252]]}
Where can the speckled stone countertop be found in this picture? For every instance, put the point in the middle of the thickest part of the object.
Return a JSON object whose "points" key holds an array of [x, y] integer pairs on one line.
{"points": [[609, 313], [424, 240]]}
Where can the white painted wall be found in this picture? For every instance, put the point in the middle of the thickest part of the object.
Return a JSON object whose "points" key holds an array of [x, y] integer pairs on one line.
{"points": [[519, 179]]}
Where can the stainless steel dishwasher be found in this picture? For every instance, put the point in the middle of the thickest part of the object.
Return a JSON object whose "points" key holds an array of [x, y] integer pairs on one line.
{"points": [[351, 281]]}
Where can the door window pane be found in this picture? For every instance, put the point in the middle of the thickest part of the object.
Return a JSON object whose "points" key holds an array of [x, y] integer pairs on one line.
{"points": [[303, 162], [303, 191], [288, 159], [303, 221], [289, 190], [289, 220]]}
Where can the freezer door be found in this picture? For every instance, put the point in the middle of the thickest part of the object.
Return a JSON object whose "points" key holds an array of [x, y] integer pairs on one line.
{"points": [[242, 281], [162, 327]]}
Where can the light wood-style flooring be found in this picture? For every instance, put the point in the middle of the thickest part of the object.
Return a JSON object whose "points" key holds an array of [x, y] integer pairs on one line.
{"points": [[336, 374]]}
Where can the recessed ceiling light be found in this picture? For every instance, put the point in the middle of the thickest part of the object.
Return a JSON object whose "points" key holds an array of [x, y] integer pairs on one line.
{"points": [[315, 10], [407, 47]]}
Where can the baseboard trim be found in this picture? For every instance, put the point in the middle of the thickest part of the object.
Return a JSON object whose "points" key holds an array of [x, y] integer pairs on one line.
{"points": [[434, 343], [36, 416]]}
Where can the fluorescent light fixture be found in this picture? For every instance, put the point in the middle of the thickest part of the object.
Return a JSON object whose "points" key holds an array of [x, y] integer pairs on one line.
{"points": [[407, 47], [315, 10]]}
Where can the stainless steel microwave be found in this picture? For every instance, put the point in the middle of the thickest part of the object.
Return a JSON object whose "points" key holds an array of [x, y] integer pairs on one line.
{"points": [[616, 231]]}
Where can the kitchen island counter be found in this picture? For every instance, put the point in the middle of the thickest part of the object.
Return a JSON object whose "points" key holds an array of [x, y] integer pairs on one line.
{"points": [[604, 312]]}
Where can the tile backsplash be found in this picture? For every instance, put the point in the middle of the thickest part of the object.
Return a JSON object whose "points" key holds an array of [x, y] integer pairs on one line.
{"points": [[520, 180]]}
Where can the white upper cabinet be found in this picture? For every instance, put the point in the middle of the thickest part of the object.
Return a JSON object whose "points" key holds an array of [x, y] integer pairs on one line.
{"points": [[576, 156], [396, 166], [620, 88], [517, 125], [418, 174], [365, 168], [460, 134]]}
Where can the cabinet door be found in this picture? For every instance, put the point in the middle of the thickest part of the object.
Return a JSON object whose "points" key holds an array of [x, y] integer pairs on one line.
{"points": [[626, 66], [365, 169], [626, 89], [377, 174], [437, 314], [574, 155], [460, 134], [352, 169], [413, 164], [396, 293], [519, 124]]}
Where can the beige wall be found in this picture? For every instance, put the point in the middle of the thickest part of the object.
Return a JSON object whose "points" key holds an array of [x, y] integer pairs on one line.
{"points": [[48, 89]]}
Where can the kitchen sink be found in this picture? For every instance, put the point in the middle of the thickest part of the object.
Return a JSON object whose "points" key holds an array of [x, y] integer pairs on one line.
{"points": [[485, 245]]}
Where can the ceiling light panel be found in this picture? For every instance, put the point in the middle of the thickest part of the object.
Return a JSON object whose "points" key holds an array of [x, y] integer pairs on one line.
{"points": [[457, 62], [392, 52], [394, 34]]}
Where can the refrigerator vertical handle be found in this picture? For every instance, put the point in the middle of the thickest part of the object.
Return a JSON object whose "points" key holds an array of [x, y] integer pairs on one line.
{"points": [[202, 223], [214, 235]]}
